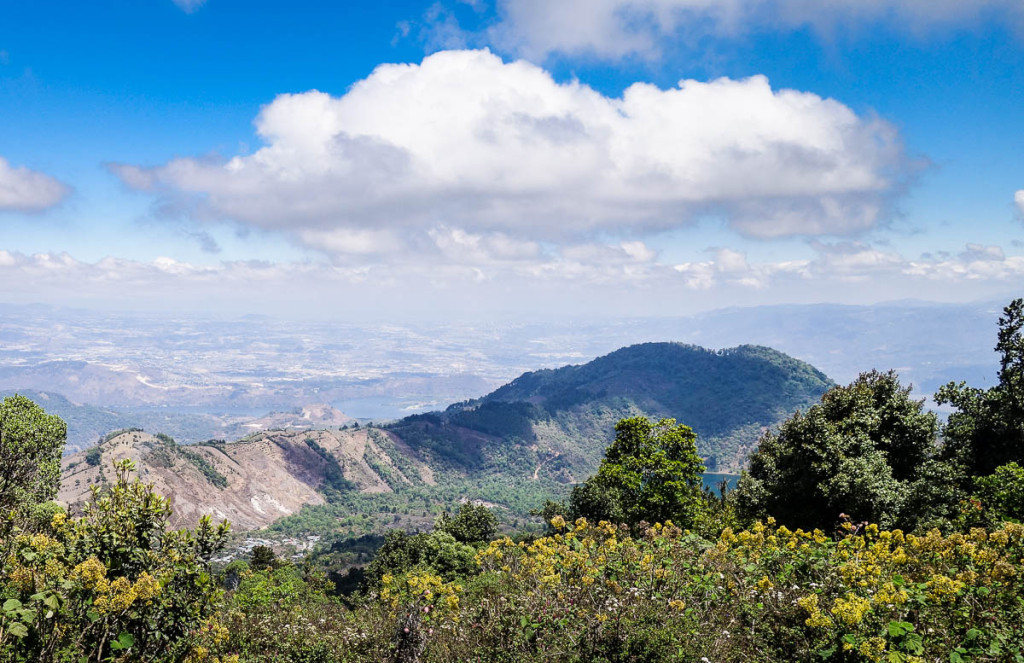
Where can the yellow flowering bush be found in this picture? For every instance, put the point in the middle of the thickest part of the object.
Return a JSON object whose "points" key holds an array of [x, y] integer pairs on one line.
{"points": [[114, 584], [597, 591]]}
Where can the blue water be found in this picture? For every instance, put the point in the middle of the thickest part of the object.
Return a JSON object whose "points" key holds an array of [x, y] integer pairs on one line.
{"points": [[712, 479]]}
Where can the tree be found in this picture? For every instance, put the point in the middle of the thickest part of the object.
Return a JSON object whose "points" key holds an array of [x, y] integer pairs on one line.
{"points": [[437, 552], [650, 472], [31, 444], [987, 429], [858, 451], [473, 524], [263, 557], [1001, 493]]}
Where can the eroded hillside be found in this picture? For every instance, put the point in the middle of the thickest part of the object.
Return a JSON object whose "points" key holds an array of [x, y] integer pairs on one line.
{"points": [[254, 481]]}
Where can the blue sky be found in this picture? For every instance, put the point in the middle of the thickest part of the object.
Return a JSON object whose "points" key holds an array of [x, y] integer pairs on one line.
{"points": [[529, 157]]}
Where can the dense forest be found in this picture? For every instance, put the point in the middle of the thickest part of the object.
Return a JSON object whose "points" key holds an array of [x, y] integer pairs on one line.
{"points": [[864, 529]]}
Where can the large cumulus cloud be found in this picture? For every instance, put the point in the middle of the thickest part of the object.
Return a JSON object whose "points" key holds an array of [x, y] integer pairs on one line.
{"points": [[466, 141]]}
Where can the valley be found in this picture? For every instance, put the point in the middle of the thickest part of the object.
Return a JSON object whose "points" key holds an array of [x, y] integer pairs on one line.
{"points": [[528, 441]]}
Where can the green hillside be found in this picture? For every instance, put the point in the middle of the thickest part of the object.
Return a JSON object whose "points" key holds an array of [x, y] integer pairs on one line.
{"points": [[561, 420]]}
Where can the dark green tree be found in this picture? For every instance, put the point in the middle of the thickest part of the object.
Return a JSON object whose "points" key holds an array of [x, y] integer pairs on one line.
{"points": [[987, 429], [31, 444], [437, 552], [857, 452], [474, 523], [263, 557], [650, 472]]}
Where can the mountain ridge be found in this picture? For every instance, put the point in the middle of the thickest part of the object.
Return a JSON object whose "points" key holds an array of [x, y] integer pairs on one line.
{"points": [[523, 442]]}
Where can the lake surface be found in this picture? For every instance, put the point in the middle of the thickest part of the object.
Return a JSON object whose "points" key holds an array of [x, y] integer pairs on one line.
{"points": [[712, 479]]}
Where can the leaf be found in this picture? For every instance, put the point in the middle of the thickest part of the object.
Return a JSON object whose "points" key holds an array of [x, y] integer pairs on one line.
{"points": [[11, 604], [18, 630], [124, 641], [897, 629]]}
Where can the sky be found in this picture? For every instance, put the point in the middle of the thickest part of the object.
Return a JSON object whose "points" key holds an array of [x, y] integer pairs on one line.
{"points": [[468, 158]]}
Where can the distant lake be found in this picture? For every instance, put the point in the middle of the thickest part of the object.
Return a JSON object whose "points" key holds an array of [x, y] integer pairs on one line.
{"points": [[383, 408], [712, 479]]}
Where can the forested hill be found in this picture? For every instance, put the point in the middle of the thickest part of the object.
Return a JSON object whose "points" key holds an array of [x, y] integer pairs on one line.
{"points": [[727, 396], [527, 441]]}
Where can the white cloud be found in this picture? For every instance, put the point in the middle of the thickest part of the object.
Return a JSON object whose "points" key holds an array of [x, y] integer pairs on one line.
{"points": [[1019, 199], [461, 274], [24, 190], [616, 28], [189, 6], [467, 141]]}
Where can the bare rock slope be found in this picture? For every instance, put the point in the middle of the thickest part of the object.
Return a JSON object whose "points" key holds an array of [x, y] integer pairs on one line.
{"points": [[251, 482]]}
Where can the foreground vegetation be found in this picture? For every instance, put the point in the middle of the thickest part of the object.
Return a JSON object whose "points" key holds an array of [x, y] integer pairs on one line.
{"points": [[863, 532], [597, 592]]}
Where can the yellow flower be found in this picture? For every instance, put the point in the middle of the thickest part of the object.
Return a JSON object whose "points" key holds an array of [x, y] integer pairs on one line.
{"points": [[89, 573], [851, 609]]}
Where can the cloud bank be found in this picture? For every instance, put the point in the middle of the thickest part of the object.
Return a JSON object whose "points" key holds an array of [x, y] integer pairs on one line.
{"points": [[24, 190], [612, 29], [465, 140], [1019, 199], [626, 277]]}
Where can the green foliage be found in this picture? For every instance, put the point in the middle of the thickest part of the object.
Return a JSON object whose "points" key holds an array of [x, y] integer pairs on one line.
{"points": [[31, 444], [120, 431], [115, 584], [204, 466], [474, 523], [727, 396], [987, 430], [262, 557], [857, 452], [1000, 495], [278, 616], [650, 472], [657, 594], [398, 458], [93, 457], [437, 552], [166, 439], [334, 475]]}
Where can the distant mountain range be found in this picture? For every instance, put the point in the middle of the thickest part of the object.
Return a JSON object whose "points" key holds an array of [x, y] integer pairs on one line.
{"points": [[533, 436], [89, 423]]}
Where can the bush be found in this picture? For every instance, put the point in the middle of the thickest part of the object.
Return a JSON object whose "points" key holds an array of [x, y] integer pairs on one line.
{"points": [[607, 593], [93, 457], [115, 584], [473, 524]]}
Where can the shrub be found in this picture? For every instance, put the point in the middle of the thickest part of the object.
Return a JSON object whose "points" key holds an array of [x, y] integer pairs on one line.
{"points": [[115, 584]]}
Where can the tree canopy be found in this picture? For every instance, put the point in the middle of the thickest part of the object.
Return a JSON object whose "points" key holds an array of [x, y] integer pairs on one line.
{"points": [[31, 444], [650, 472], [987, 429], [857, 452]]}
